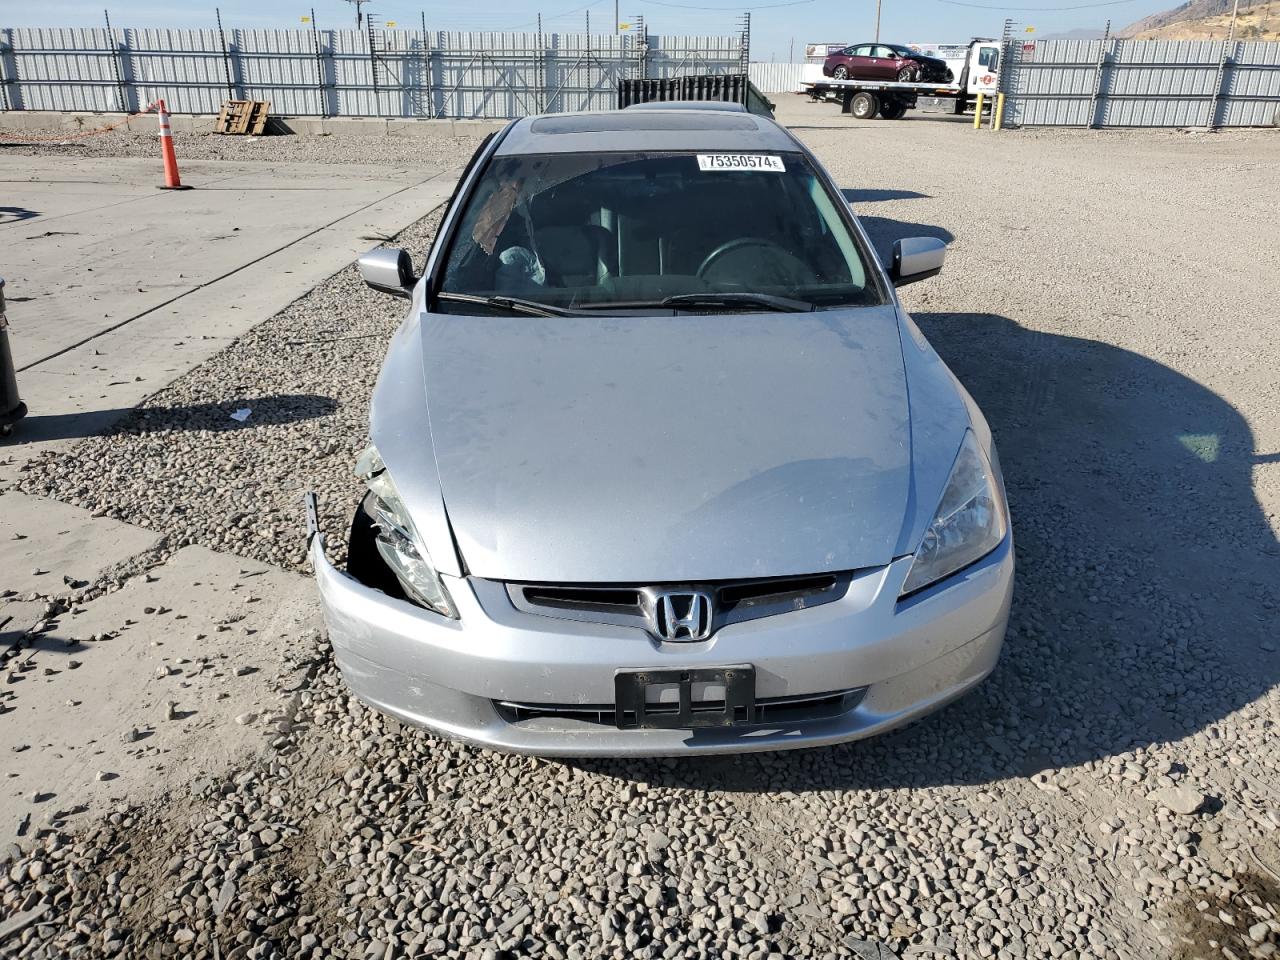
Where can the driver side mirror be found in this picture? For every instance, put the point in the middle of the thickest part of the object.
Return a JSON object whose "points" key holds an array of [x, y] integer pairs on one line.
{"points": [[389, 270], [916, 258]]}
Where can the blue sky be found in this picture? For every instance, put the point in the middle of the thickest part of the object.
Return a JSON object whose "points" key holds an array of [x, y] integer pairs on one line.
{"points": [[774, 28]]}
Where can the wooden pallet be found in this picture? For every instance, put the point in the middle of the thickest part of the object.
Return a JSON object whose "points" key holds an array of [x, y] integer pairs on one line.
{"points": [[243, 116]]}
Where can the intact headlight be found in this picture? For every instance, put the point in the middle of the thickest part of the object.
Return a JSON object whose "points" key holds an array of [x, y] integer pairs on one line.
{"points": [[398, 542], [969, 523]]}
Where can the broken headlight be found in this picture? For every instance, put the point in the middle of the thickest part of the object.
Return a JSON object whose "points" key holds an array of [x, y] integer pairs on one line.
{"points": [[970, 521], [398, 542]]}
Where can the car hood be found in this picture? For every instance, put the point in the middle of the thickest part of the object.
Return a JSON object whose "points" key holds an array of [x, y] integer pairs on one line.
{"points": [[662, 449]]}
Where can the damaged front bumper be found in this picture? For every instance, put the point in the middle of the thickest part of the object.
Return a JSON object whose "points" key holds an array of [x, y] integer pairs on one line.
{"points": [[461, 678]]}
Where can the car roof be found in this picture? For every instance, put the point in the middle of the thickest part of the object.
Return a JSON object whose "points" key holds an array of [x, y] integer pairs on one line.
{"points": [[643, 131]]}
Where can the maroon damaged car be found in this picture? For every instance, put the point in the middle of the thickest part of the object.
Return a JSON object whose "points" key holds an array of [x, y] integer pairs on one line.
{"points": [[886, 62]]}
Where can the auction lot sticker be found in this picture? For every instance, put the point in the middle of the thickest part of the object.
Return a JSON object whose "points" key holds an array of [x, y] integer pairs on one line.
{"points": [[740, 161]]}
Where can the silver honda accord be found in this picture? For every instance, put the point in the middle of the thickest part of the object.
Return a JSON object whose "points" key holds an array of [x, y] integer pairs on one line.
{"points": [[659, 464]]}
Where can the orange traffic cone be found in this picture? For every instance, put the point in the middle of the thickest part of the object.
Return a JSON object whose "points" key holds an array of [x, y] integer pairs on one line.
{"points": [[171, 179]]}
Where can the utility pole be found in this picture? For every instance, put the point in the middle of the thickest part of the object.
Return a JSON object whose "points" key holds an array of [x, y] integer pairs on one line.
{"points": [[616, 29], [359, 15], [877, 21]]}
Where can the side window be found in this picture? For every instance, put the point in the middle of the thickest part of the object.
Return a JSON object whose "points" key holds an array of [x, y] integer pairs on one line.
{"points": [[989, 57], [849, 51], [884, 52], [862, 51]]}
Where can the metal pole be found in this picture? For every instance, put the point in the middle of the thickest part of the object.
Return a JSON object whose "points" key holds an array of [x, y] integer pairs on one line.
{"points": [[539, 100], [616, 28], [226, 59], [426, 53], [1004, 72], [643, 47], [1097, 76], [877, 21], [1212, 121], [121, 99], [373, 65], [4, 82], [315, 48]]}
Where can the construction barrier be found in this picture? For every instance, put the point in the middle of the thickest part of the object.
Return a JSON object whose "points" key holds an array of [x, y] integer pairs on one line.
{"points": [[170, 159], [725, 88]]}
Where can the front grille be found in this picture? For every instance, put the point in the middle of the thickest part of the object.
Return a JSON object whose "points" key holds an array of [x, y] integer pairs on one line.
{"points": [[625, 605], [596, 599], [770, 711], [795, 591]]}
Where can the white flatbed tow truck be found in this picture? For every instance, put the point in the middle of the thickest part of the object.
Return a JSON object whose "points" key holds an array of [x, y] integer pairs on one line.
{"points": [[865, 99]]}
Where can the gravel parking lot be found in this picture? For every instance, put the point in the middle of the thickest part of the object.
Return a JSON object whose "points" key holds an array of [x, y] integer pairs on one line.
{"points": [[1113, 791], [139, 140]]}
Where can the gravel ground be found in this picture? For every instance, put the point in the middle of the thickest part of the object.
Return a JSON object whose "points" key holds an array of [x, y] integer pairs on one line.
{"points": [[285, 149], [1112, 792]]}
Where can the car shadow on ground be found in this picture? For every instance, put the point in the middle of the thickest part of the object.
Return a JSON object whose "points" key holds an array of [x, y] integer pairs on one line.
{"points": [[1146, 592], [263, 411], [856, 195]]}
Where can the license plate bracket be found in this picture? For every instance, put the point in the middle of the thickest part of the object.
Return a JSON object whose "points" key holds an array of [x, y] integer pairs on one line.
{"points": [[634, 710]]}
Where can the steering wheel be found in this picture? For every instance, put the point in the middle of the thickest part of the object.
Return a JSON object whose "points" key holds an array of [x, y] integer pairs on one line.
{"points": [[789, 268]]}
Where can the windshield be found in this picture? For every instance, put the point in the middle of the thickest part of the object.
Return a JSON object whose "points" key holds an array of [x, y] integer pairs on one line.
{"points": [[586, 231]]}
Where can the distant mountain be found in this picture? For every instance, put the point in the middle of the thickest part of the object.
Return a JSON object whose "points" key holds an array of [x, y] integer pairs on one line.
{"points": [[1080, 33], [1208, 20]]}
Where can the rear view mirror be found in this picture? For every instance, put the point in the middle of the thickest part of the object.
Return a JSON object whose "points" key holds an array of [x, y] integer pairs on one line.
{"points": [[388, 269], [916, 258]]}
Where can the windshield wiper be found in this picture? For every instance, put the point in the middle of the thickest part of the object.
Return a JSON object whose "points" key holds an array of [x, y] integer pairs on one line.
{"points": [[781, 304], [514, 304]]}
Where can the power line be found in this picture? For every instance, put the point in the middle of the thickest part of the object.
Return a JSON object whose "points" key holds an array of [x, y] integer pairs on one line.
{"points": [[762, 6]]}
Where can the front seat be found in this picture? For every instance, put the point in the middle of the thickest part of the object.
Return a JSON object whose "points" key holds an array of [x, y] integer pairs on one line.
{"points": [[579, 256]]}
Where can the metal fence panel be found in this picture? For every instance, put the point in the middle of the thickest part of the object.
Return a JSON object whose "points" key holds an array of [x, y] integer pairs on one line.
{"points": [[777, 77], [363, 73], [184, 67], [1143, 83], [686, 56], [61, 69]]}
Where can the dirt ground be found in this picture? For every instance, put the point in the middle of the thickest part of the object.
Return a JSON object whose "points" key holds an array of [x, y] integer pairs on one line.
{"points": [[1113, 791]]}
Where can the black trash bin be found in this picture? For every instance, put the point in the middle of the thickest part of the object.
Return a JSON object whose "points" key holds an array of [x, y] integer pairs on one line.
{"points": [[12, 409]]}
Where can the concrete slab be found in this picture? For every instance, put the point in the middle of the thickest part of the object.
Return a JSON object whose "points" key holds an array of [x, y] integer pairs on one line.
{"points": [[116, 288], [96, 242], [204, 630], [42, 541]]}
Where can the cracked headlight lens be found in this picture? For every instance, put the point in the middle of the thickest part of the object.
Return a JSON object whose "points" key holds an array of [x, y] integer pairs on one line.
{"points": [[398, 542], [970, 521]]}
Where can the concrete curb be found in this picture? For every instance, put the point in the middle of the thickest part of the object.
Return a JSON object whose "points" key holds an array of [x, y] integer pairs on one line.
{"points": [[41, 121]]}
